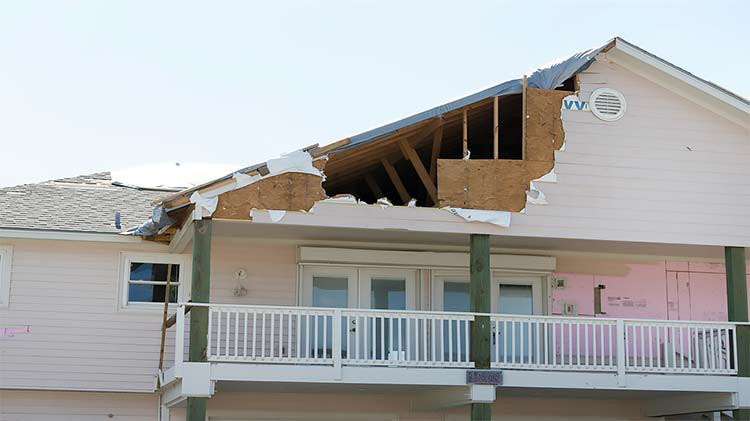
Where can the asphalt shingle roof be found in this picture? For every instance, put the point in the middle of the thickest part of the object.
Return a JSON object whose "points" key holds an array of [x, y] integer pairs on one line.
{"points": [[86, 203]]}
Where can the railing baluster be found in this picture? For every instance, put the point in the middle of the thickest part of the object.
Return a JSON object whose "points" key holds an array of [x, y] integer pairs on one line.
{"points": [[570, 342], [255, 331], [536, 355], [546, 343], [612, 337], [209, 354], [244, 341], [325, 335], [467, 341], [586, 341], [218, 333], [505, 341], [433, 333], [554, 344], [236, 332], [424, 339], [263, 335], [299, 335], [578, 344]]}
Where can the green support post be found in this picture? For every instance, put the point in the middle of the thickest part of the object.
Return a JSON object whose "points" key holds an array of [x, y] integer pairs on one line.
{"points": [[737, 312], [200, 292], [481, 296]]}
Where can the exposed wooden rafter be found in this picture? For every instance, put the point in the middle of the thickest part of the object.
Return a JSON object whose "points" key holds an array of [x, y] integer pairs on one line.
{"points": [[437, 144], [373, 185], [396, 180], [413, 156]]}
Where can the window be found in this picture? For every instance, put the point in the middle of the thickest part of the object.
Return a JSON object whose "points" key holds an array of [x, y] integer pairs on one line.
{"points": [[6, 255], [145, 279]]}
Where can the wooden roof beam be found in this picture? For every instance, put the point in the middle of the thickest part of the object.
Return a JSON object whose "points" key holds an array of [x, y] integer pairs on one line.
{"points": [[396, 180], [413, 156]]}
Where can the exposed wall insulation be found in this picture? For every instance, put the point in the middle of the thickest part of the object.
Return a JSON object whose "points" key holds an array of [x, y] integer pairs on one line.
{"points": [[287, 191], [502, 184]]}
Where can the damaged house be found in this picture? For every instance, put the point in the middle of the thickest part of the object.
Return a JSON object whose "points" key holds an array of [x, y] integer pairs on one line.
{"points": [[571, 242]]}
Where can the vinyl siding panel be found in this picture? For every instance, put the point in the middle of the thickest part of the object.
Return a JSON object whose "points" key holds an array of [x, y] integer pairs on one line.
{"points": [[668, 171], [17, 405], [80, 339]]}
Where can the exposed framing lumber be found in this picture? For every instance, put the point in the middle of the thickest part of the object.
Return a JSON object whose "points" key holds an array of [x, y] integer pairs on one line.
{"points": [[327, 148], [416, 162], [437, 144], [396, 180], [373, 185], [465, 133], [164, 322], [523, 116], [496, 128]]}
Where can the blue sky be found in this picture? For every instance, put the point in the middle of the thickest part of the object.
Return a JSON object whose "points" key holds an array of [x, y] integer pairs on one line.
{"points": [[102, 85]]}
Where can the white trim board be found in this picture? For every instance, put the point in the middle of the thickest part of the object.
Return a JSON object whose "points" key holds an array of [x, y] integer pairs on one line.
{"points": [[69, 235], [680, 82], [421, 259]]}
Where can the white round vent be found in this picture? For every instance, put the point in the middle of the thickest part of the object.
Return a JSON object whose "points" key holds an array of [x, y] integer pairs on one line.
{"points": [[607, 104]]}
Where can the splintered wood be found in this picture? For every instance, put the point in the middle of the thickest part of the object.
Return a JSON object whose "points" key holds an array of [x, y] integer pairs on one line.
{"points": [[501, 184], [286, 191]]}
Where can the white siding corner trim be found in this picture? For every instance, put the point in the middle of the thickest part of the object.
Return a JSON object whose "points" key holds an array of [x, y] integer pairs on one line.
{"points": [[185, 276], [6, 260]]}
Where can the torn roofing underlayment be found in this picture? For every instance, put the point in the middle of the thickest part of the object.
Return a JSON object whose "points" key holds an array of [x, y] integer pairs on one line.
{"points": [[529, 115]]}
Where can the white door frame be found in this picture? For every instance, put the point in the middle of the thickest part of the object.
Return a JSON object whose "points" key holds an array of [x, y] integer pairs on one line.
{"points": [[308, 272], [360, 282], [365, 284], [536, 281]]}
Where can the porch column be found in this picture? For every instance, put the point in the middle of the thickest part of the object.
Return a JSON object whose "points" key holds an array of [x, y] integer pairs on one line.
{"points": [[737, 312], [201, 285], [479, 266]]}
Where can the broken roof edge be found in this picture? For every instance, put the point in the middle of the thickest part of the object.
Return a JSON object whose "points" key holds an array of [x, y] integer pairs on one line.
{"points": [[548, 77]]}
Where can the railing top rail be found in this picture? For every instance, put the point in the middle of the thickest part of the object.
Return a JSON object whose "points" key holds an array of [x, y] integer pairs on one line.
{"points": [[465, 314], [330, 309]]}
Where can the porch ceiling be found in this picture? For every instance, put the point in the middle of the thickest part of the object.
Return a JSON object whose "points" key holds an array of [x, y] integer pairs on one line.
{"points": [[448, 241]]}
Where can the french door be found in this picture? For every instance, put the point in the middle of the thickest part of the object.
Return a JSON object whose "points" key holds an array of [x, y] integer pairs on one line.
{"points": [[511, 294], [366, 288]]}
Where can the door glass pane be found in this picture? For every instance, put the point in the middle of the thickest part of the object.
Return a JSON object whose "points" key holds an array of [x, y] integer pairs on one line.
{"points": [[455, 298], [389, 294], [516, 299], [328, 291]]}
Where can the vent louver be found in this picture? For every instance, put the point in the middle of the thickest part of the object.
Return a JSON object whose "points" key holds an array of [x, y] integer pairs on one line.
{"points": [[607, 104]]}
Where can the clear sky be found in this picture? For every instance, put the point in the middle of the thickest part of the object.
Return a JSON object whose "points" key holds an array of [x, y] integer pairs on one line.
{"points": [[104, 85]]}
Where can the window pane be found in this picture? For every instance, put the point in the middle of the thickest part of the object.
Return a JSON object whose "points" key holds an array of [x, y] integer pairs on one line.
{"points": [[515, 299], [456, 296], [330, 292], [388, 294], [150, 293], [140, 271]]}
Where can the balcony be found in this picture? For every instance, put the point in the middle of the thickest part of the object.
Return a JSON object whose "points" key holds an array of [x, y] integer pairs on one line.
{"points": [[419, 348]]}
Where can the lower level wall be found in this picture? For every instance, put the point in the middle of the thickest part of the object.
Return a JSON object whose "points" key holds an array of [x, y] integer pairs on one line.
{"points": [[34, 405], [364, 406]]}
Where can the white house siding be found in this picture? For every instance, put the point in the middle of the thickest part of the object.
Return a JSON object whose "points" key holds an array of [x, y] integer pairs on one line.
{"points": [[668, 171], [27, 405], [68, 293]]}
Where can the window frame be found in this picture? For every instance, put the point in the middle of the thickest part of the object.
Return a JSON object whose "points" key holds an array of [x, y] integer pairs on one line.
{"points": [[6, 263], [184, 278]]}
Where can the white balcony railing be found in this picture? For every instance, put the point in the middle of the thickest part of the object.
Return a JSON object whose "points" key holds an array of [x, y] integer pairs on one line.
{"points": [[361, 337], [620, 345]]}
